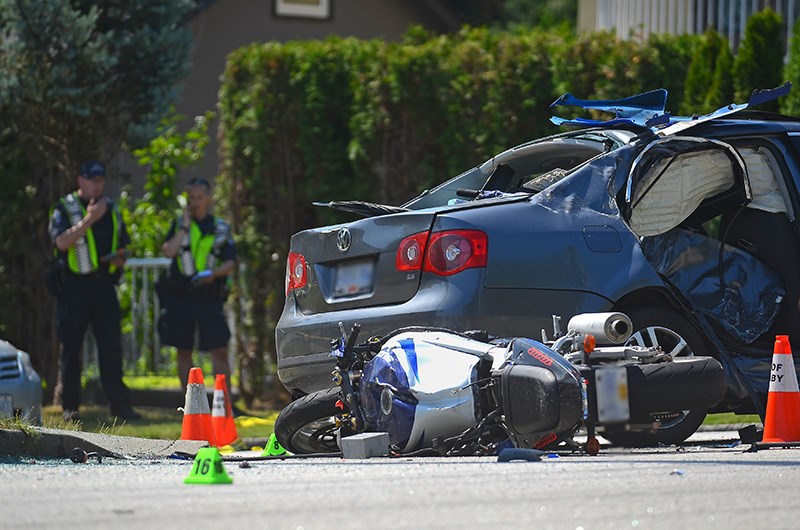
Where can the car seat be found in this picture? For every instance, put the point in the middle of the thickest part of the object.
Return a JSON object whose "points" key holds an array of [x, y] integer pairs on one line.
{"points": [[771, 238]]}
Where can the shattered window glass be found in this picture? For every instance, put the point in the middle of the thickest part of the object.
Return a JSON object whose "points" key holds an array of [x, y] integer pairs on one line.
{"points": [[540, 182]]}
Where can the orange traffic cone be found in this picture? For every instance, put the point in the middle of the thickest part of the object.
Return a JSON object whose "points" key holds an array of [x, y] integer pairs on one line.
{"points": [[196, 414], [782, 421], [222, 413]]}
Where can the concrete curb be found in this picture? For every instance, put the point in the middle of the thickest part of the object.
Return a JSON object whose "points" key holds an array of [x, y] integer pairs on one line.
{"points": [[55, 443]]}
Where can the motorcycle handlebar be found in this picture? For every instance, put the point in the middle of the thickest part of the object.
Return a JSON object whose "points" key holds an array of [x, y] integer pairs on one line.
{"points": [[351, 340]]}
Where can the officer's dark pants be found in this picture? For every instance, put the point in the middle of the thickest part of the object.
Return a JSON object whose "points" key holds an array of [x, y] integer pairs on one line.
{"points": [[90, 299]]}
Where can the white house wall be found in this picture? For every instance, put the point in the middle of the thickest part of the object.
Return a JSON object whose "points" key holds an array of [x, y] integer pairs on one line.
{"points": [[645, 17]]}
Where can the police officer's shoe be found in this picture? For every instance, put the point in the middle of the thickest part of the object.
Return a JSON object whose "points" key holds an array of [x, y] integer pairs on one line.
{"points": [[126, 413], [70, 415]]}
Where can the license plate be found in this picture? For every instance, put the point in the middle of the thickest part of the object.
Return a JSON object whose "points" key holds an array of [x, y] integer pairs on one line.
{"points": [[612, 395], [6, 405], [353, 278]]}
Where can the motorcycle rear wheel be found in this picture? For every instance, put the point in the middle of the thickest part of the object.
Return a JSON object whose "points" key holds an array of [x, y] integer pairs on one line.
{"points": [[657, 326], [307, 426]]}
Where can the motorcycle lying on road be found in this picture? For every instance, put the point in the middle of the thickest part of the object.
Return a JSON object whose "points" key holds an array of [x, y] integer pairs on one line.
{"points": [[444, 392]]}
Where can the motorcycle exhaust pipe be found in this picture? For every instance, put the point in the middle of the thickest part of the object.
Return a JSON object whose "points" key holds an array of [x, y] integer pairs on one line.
{"points": [[607, 328]]}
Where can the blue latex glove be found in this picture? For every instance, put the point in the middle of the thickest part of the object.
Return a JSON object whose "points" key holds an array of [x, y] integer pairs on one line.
{"points": [[201, 276]]}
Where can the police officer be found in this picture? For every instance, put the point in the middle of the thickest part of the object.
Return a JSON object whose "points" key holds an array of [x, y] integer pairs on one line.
{"points": [[90, 239], [203, 255]]}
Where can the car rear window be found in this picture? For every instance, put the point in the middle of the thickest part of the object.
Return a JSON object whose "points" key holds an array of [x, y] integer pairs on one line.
{"points": [[533, 167]]}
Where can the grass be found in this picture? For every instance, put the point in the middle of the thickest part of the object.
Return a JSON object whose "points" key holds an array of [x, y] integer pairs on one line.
{"points": [[17, 424], [146, 382], [729, 418], [156, 423], [159, 423]]}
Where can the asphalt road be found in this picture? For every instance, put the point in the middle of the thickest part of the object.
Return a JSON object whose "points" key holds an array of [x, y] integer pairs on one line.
{"points": [[712, 483]]}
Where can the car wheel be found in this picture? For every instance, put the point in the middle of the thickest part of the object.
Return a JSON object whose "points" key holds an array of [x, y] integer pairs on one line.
{"points": [[307, 425], [676, 336]]}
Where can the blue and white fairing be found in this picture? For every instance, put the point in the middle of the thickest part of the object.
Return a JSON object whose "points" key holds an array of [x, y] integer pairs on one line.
{"points": [[420, 386]]}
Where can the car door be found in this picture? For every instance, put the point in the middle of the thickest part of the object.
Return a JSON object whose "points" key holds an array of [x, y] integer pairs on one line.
{"points": [[675, 187]]}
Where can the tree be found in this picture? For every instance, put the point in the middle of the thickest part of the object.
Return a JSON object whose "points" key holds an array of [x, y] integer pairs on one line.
{"points": [[759, 63], [710, 64], [791, 103], [538, 13], [78, 79], [509, 13], [721, 91], [84, 78]]}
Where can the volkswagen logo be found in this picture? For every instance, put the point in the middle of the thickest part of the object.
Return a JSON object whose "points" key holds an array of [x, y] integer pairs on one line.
{"points": [[343, 239]]}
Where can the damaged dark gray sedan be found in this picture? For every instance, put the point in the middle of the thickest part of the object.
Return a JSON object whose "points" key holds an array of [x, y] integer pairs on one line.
{"points": [[686, 225]]}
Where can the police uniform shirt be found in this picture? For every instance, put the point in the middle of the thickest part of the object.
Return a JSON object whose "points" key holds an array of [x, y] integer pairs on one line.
{"points": [[103, 229]]}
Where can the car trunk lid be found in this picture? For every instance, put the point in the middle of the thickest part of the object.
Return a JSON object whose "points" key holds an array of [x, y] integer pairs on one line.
{"points": [[353, 265]]}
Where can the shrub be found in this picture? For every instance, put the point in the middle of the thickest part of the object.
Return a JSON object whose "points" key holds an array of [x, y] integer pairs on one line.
{"points": [[759, 63]]}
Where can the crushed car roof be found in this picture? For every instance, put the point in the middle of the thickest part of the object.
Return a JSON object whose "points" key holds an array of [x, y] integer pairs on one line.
{"points": [[647, 110]]}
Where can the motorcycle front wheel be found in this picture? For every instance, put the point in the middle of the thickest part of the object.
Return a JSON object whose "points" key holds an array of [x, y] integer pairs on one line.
{"points": [[307, 426]]}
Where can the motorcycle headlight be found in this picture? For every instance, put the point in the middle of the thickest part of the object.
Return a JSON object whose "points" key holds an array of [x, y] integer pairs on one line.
{"points": [[386, 401]]}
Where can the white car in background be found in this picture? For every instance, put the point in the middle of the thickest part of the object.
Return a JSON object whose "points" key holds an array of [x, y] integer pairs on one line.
{"points": [[20, 385]]}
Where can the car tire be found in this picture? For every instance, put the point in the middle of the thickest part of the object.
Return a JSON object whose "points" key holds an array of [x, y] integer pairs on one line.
{"points": [[655, 326], [307, 426]]}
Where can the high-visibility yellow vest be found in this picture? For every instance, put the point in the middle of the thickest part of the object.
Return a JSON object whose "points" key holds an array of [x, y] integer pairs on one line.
{"points": [[198, 250], [82, 255]]}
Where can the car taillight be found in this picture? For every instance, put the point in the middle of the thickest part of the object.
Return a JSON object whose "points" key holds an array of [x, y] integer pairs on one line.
{"points": [[453, 251], [410, 252], [295, 272]]}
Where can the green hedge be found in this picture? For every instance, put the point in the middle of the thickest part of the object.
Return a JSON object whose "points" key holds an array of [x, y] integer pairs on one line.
{"points": [[378, 121]]}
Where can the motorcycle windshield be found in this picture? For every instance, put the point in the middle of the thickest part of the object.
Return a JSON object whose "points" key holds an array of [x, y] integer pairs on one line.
{"points": [[420, 386]]}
